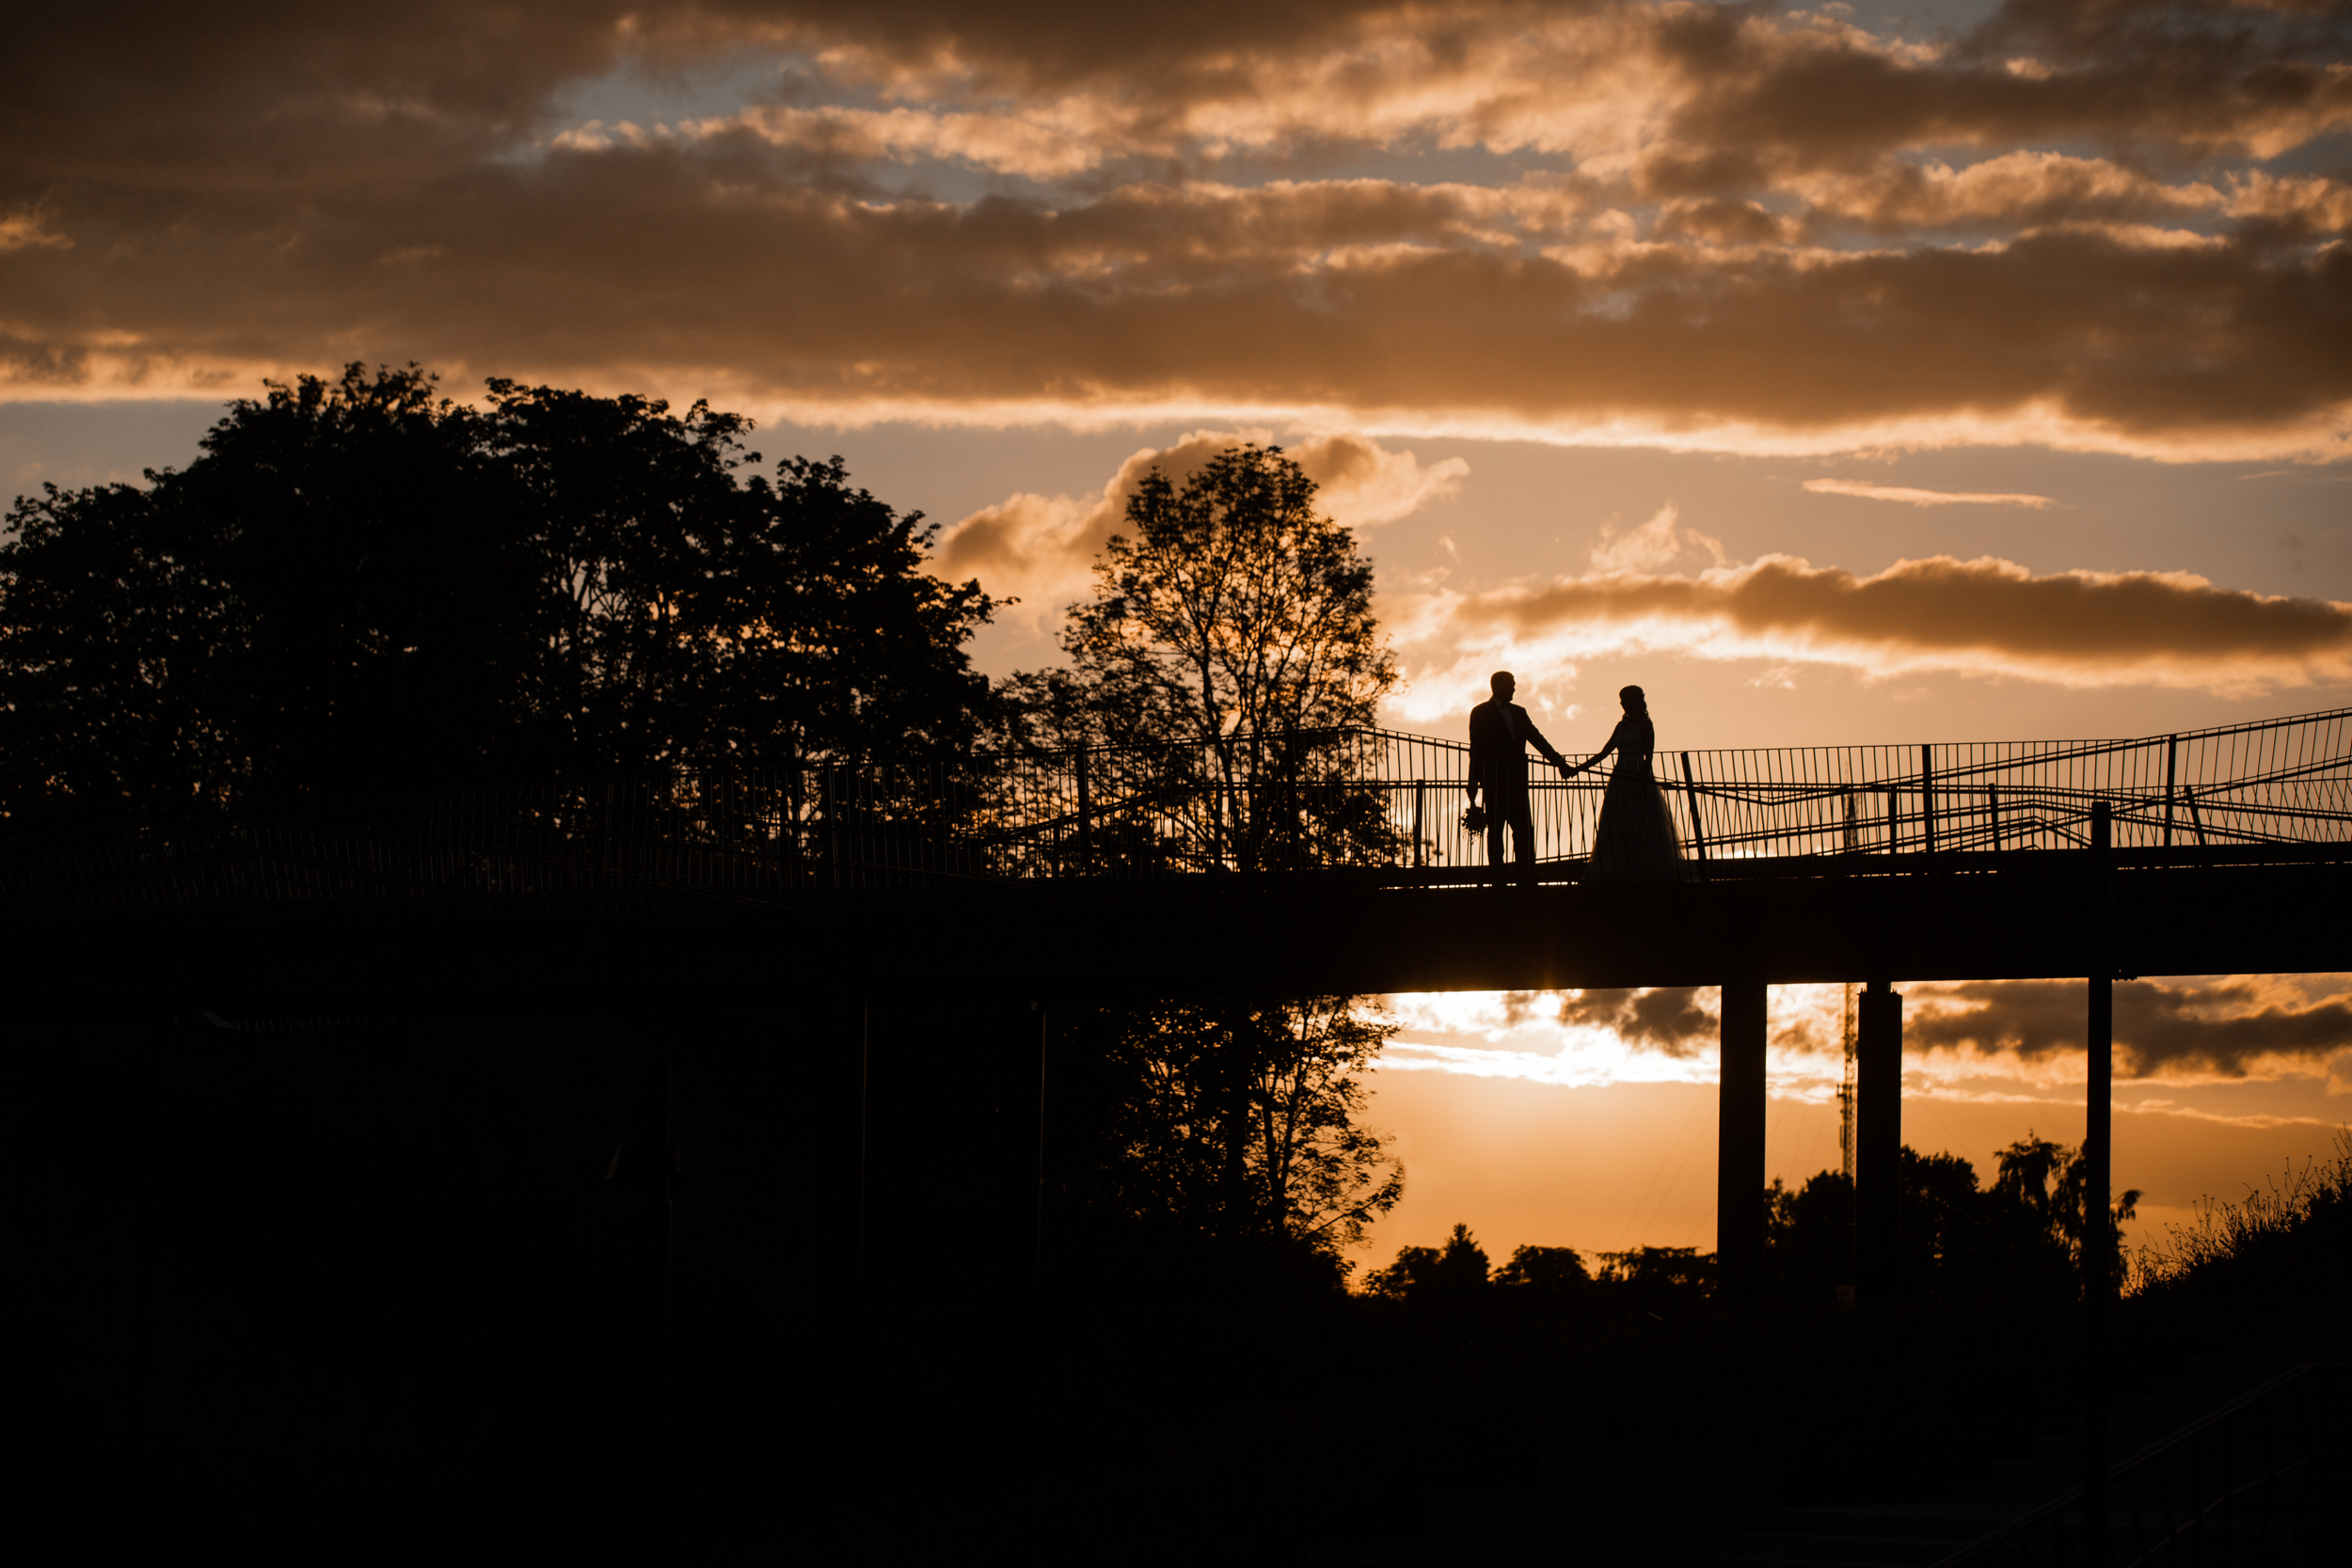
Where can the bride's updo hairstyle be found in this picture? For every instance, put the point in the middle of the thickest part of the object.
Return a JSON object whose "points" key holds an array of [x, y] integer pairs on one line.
{"points": [[1631, 697]]}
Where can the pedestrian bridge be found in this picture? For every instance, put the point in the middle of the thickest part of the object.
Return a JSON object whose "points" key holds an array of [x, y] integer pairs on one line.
{"points": [[1294, 811], [1308, 861], [1322, 861]]}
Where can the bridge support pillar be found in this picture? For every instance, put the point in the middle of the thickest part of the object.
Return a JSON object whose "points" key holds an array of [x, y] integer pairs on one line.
{"points": [[1878, 1140], [2099, 1238], [1740, 1150]]}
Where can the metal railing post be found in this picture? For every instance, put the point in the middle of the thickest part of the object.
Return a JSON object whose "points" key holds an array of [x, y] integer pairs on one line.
{"points": [[1420, 799], [1927, 799], [1086, 817], [829, 801], [2171, 770], [1297, 825], [1691, 800]]}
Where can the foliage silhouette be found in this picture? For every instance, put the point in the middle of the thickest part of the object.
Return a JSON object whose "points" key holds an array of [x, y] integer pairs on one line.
{"points": [[2296, 1231], [1236, 1128], [1663, 1282], [1234, 621], [1809, 1238], [362, 584], [2019, 1240], [1449, 1289], [1458, 1271], [1958, 1241], [1550, 1270]]}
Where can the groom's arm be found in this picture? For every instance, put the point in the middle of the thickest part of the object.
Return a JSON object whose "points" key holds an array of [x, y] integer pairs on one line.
{"points": [[1550, 753]]}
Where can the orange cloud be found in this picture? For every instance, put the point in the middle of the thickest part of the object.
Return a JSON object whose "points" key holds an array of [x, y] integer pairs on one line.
{"points": [[1985, 616], [1910, 496], [1042, 548], [2013, 190], [958, 211]]}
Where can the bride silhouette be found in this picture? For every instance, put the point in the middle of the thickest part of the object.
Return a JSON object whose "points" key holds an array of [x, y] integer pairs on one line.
{"points": [[1636, 840]]}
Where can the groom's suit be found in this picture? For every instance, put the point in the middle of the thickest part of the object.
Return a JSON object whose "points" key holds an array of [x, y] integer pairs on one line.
{"points": [[1500, 732]]}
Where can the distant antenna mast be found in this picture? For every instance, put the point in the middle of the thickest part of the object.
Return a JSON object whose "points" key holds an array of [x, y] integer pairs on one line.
{"points": [[1846, 1088]]}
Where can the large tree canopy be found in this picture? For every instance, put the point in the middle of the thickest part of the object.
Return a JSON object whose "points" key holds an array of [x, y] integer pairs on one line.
{"points": [[1228, 606], [1231, 636], [362, 584], [1239, 1124]]}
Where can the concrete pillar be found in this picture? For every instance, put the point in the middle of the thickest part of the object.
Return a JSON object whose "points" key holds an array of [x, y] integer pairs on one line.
{"points": [[2099, 1093], [1879, 1141], [2098, 1160], [1740, 1150]]}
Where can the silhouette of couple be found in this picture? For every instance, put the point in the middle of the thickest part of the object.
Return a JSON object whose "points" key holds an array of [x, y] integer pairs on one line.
{"points": [[1635, 841]]}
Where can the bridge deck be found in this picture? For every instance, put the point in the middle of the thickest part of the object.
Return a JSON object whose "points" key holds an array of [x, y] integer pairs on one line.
{"points": [[2211, 913], [1325, 861]]}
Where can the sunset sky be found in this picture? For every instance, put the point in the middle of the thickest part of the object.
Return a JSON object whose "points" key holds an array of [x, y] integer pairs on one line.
{"points": [[1884, 373]]}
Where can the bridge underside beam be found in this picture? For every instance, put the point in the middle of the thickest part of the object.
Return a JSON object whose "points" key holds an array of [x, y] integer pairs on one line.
{"points": [[1110, 940]]}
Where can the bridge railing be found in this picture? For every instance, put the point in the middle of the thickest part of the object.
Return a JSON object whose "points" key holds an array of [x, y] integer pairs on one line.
{"points": [[1378, 801], [2280, 782], [1379, 798], [2237, 1485]]}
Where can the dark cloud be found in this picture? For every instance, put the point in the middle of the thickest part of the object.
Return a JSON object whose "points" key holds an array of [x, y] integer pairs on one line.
{"points": [[1669, 1018], [2158, 1027], [185, 104], [2183, 79], [696, 261], [2079, 626], [188, 198]]}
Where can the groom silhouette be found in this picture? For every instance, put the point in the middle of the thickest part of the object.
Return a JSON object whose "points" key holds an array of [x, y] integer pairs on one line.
{"points": [[1500, 732]]}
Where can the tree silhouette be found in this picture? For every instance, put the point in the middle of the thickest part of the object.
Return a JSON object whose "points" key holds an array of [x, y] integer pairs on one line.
{"points": [[1238, 1124], [1666, 1282], [1233, 621], [707, 619], [1446, 1290], [1810, 1237], [1550, 1272], [2042, 1191], [362, 584], [2019, 1239], [1456, 1273]]}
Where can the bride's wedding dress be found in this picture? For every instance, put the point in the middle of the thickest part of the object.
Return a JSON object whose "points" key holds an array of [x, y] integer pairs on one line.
{"points": [[1636, 841]]}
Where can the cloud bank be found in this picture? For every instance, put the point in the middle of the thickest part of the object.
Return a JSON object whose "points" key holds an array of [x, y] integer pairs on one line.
{"points": [[1956, 1036], [1042, 548], [2224, 1028], [1703, 226], [1985, 616]]}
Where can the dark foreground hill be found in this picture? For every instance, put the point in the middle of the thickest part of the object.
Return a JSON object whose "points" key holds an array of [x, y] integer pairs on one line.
{"points": [[368, 1288]]}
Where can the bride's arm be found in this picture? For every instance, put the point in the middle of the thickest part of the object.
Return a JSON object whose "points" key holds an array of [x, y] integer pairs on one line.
{"points": [[1617, 744]]}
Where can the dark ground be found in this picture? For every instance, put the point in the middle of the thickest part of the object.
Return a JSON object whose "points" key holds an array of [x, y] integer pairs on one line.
{"points": [[373, 1288]]}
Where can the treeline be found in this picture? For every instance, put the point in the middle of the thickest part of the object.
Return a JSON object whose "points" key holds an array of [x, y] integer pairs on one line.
{"points": [[2018, 1241], [1212, 1148], [1456, 1285], [361, 586]]}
